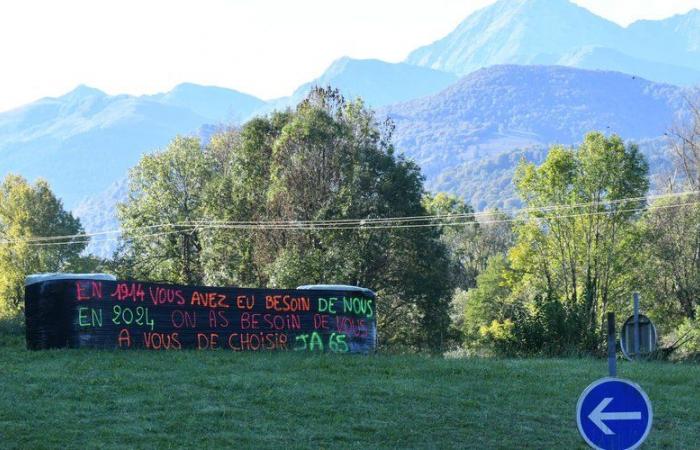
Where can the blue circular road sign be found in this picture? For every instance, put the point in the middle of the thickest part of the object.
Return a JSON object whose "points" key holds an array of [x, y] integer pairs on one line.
{"points": [[614, 414]]}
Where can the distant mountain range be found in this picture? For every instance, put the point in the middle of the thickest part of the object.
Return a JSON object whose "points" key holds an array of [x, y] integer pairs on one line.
{"points": [[215, 104], [378, 83], [558, 32], [511, 79], [85, 140]]}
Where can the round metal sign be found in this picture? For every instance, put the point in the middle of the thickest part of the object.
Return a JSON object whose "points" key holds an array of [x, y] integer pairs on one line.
{"points": [[614, 414], [647, 337]]}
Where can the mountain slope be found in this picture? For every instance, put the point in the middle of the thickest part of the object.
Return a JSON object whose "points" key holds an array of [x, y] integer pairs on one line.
{"points": [[516, 32], [675, 40], [561, 32], [506, 107], [216, 104], [85, 140], [378, 83], [98, 213], [469, 137], [602, 58], [488, 182]]}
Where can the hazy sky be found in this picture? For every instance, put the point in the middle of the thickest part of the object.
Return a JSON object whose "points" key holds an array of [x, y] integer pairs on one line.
{"points": [[263, 47]]}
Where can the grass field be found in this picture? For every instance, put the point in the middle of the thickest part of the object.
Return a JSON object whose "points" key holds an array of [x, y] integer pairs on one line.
{"points": [[139, 399]]}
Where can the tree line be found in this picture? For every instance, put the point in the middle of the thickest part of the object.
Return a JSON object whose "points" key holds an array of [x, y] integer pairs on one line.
{"points": [[534, 282]]}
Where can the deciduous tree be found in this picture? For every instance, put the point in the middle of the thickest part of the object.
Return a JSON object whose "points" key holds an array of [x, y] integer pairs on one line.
{"points": [[28, 213], [165, 194]]}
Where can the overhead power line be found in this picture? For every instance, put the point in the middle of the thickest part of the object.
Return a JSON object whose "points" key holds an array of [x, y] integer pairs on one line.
{"points": [[354, 225], [317, 224]]}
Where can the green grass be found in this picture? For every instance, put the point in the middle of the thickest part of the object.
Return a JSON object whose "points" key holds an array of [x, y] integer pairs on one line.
{"points": [[139, 399]]}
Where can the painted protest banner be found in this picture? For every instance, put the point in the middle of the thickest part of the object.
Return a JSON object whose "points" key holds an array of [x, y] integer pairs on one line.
{"points": [[117, 314]]}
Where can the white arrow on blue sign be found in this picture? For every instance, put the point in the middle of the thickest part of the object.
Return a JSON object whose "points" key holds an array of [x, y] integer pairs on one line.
{"points": [[614, 414]]}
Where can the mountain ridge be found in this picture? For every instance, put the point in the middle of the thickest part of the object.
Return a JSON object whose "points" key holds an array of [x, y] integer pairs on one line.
{"points": [[497, 34], [379, 83], [214, 103], [511, 32], [81, 141]]}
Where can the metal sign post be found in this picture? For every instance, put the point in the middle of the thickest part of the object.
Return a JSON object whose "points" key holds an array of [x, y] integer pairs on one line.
{"points": [[613, 413], [635, 300], [612, 353]]}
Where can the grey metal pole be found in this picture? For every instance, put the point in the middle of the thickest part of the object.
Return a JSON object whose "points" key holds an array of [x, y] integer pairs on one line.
{"points": [[635, 296], [612, 354]]}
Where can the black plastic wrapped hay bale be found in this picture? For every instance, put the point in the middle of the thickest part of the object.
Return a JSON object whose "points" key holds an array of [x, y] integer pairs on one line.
{"points": [[360, 291], [48, 311]]}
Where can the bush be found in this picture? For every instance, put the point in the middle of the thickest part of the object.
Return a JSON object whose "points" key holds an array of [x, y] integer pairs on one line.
{"points": [[689, 335], [11, 329], [540, 326]]}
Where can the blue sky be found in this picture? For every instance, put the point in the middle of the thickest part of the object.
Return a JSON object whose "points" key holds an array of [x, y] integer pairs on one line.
{"points": [[262, 47]]}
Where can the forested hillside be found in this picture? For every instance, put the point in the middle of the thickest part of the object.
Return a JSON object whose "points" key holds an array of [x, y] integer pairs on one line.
{"points": [[487, 182], [503, 108]]}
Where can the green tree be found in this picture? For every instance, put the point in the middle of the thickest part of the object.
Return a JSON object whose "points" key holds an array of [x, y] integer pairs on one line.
{"points": [[165, 196], [570, 263], [238, 193], [28, 212], [459, 234], [490, 302], [326, 160], [580, 254], [669, 266], [471, 240], [331, 160], [669, 263]]}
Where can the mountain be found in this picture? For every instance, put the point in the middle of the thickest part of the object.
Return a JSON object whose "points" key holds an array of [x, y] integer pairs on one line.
{"points": [[602, 58], [513, 100], [83, 141], [516, 32], [98, 213], [675, 40], [503, 108], [379, 83], [216, 104], [561, 32]]}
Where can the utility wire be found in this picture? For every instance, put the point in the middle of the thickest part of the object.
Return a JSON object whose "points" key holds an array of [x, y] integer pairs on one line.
{"points": [[81, 238], [184, 226], [433, 224], [460, 215]]}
